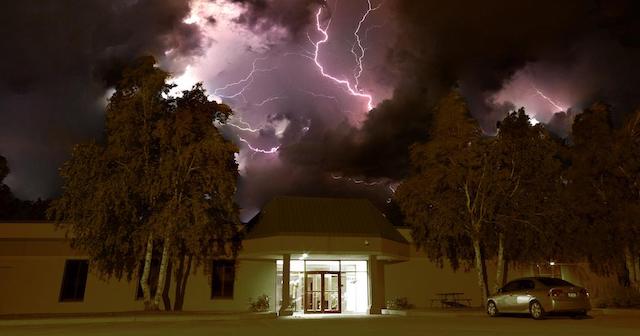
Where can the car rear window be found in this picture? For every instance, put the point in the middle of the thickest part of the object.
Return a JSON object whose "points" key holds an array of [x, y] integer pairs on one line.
{"points": [[553, 282]]}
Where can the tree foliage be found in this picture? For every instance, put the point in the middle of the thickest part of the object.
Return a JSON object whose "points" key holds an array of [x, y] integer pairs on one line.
{"points": [[473, 197], [160, 187], [605, 193], [13, 208]]}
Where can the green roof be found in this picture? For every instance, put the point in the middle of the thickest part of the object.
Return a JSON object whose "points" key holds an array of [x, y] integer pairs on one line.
{"points": [[337, 217]]}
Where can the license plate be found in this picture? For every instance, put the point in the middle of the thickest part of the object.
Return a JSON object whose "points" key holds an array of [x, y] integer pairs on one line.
{"points": [[572, 295]]}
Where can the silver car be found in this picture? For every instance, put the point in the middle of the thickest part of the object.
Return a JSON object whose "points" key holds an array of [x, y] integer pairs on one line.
{"points": [[539, 296]]}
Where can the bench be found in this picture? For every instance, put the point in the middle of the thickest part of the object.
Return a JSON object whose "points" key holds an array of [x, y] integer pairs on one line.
{"points": [[451, 300]]}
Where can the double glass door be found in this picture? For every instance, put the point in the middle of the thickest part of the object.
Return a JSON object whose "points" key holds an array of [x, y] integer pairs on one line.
{"points": [[322, 292]]}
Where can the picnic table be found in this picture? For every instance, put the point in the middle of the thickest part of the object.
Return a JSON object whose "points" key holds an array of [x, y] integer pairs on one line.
{"points": [[451, 300]]}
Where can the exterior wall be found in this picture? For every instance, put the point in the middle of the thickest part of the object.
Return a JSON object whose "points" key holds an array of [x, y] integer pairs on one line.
{"points": [[31, 285], [419, 279], [32, 261], [253, 278]]}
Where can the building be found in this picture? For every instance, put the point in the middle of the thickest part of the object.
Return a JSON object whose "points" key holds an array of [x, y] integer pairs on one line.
{"points": [[337, 255]]}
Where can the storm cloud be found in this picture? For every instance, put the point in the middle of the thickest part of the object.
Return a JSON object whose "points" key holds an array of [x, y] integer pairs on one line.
{"points": [[59, 58]]}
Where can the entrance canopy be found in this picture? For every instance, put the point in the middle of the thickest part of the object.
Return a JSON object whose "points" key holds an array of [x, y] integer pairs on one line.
{"points": [[324, 229]]}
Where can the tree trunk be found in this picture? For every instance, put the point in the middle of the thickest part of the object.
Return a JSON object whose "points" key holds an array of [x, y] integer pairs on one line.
{"points": [[500, 267], [144, 279], [480, 268], [162, 275], [636, 265], [631, 268], [181, 285], [166, 299]]}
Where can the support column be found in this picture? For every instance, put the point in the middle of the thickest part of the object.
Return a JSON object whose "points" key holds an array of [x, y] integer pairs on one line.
{"points": [[286, 297], [376, 285]]}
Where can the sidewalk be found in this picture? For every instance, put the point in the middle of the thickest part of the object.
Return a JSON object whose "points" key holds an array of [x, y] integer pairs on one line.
{"points": [[476, 311], [53, 319]]}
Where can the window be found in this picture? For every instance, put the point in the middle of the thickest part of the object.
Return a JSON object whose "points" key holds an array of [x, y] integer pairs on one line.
{"points": [[74, 280], [526, 284], [223, 274], [554, 282], [510, 287]]}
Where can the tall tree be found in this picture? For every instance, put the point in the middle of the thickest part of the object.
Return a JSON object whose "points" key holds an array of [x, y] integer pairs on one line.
{"points": [[605, 193], [447, 200], [155, 185], [527, 182], [5, 192], [197, 180]]}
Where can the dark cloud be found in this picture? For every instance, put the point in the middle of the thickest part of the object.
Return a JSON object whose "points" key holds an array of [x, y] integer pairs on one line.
{"points": [[59, 57], [480, 45], [264, 15]]}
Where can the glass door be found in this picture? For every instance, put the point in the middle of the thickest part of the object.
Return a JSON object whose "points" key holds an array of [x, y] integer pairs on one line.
{"points": [[313, 293], [322, 292], [331, 293]]}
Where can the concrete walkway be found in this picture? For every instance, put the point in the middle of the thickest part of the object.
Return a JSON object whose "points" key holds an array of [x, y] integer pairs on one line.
{"points": [[66, 319], [127, 317]]}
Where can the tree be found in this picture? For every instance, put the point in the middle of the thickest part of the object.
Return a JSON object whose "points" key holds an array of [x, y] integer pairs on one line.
{"points": [[604, 178], [154, 185], [12, 207], [5, 192], [527, 183], [447, 200], [197, 183]]}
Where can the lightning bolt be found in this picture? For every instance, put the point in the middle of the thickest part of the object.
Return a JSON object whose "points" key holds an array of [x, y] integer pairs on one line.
{"points": [[268, 100], [320, 95], [549, 100], [244, 126], [359, 58], [273, 150], [352, 89], [244, 83]]}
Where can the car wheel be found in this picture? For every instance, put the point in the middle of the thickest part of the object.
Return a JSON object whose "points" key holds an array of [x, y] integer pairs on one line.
{"points": [[492, 309], [536, 310]]}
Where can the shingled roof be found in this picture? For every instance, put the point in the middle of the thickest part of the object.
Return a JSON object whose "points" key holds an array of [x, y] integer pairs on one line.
{"points": [[339, 217]]}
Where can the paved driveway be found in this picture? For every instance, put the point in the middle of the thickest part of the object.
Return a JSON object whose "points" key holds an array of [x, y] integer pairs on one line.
{"points": [[352, 326]]}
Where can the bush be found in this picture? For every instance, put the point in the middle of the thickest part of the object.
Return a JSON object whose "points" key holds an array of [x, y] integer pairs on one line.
{"points": [[399, 303], [261, 304]]}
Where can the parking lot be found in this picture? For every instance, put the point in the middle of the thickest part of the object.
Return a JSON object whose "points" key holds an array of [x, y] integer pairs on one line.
{"points": [[438, 324]]}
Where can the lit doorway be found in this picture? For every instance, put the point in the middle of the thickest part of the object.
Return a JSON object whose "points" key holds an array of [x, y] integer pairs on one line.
{"points": [[322, 292], [345, 292]]}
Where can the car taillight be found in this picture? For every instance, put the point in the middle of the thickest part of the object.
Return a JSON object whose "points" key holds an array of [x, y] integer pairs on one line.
{"points": [[555, 292], [584, 292]]}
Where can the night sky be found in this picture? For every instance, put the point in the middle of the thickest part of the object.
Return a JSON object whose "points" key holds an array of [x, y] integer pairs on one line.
{"points": [[302, 120]]}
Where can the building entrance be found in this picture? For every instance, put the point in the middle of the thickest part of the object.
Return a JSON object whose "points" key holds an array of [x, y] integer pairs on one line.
{"points": [[322, 292], [325, 286]]}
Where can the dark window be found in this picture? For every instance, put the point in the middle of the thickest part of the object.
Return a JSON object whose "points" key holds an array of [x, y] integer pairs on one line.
{"points": [[154, 272], [511, 286], [553, 282], [223, 274], [74, 280], [526, 284]]}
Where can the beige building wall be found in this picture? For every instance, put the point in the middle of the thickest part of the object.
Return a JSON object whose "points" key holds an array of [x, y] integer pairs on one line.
{"points": [[32, 261], [419, 279]]}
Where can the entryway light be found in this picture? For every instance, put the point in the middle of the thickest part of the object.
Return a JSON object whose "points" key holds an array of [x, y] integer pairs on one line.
{"points": [[304, 256]]}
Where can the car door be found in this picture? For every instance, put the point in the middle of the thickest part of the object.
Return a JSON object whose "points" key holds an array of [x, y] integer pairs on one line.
{"points": [[522, 296], [506, 300]]}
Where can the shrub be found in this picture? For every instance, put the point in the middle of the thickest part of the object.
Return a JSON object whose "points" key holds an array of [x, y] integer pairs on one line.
{"points": [[261, 304], [399, 303]]}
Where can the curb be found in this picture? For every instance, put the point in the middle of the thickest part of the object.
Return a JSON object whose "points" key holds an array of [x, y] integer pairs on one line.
{"points": [[134, 318], [444, 312]]}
